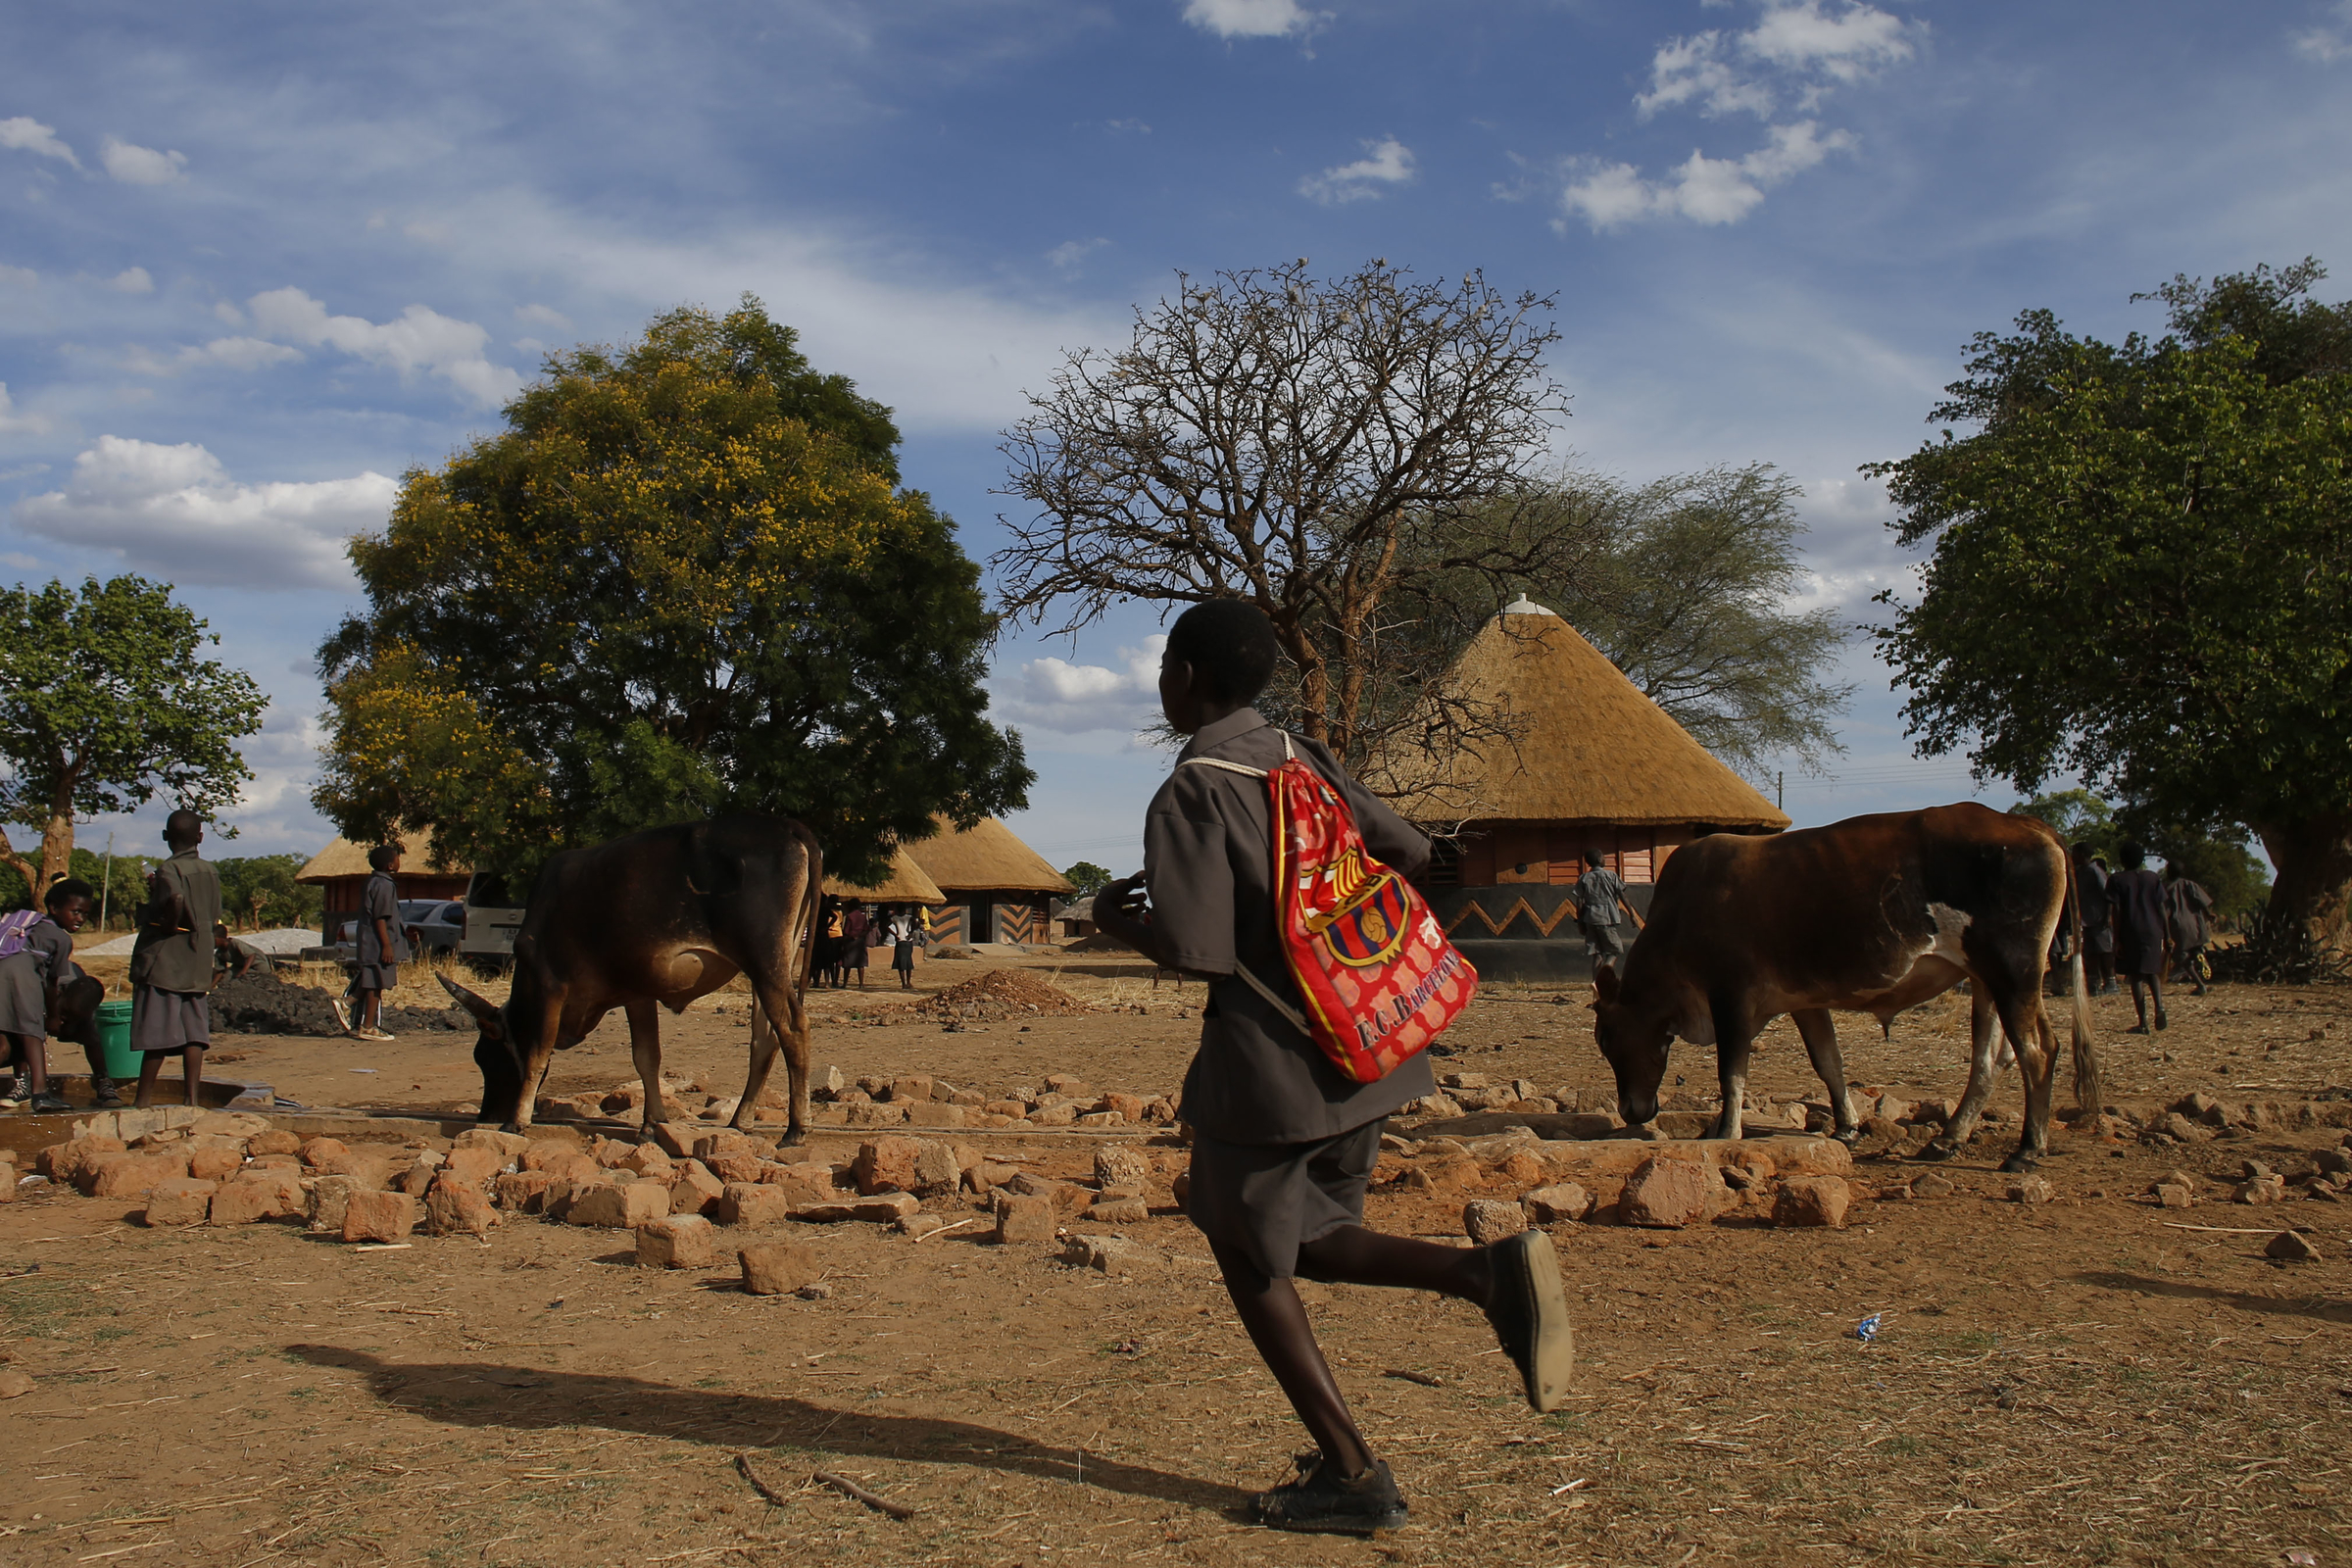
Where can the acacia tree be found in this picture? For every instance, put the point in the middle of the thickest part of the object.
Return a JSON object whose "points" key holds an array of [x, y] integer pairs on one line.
{"points": [[2143, 572], [1309, 445], [679, 582], [105, 704]]}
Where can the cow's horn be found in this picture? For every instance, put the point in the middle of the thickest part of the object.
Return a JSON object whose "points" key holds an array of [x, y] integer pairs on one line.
{"points": [[481, 1007]]}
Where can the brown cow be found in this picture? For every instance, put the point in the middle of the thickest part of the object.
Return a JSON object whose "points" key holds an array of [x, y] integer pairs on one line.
{"points": [[1873, 914], [661, 917]]}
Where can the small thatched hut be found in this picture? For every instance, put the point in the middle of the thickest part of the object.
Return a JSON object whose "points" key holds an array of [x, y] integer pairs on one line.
{"points": [[341, 871], [998, 889], [903, 883], [1588, 762]]}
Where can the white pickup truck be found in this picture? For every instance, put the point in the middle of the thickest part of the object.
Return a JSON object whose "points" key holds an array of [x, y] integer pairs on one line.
{"points": [[492, 917]]}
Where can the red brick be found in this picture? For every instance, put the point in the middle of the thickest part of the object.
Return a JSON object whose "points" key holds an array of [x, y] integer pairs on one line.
{"points": [[753, 1203], [681, 1241], [179, 1200], [773, 1268], [526, 1191], [696, 1191], [246, 1201], [1812, 1201], [319, 1151], [623, 1206], [379, 1216], [273, 1142], [128, 1174], [474, 1167], [455, 1206], [1024, 1219], [1667, 1194], [886, 1164]]}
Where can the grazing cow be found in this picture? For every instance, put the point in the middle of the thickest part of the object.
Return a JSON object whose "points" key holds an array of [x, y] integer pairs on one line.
{"points": [[1873, 914], [661, 917]]}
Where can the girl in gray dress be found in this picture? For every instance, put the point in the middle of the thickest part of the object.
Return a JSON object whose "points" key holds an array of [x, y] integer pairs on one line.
{"points": [[38, 965]]}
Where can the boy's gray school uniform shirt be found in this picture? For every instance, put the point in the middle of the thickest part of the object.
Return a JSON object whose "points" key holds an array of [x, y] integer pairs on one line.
{"points": [[1209, 863], [181, 960]]}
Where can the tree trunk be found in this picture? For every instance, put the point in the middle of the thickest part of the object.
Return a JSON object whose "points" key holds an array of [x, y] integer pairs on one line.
{"points": [[57, 846], [2314, 860]]}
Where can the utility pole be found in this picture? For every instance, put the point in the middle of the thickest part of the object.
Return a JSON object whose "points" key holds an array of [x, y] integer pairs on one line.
{"points": [[1780, 790], [106, 880]]}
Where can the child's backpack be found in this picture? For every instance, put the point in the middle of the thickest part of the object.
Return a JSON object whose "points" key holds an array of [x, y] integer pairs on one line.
{"points": [[1379, 978], [16, 928]]}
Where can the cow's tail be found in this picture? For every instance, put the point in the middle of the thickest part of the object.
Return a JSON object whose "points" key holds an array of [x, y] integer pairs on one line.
{"points": [[810, 902], [2087, 1058]]}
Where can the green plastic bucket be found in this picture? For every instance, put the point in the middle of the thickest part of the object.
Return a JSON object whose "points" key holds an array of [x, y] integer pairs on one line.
{"points": [[114, 1040]]}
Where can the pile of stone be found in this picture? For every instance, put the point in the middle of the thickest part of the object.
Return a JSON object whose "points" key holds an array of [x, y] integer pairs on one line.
{"points": [[259, 1003], [919, 1100], [1533, 1181], [2199, 1117], [2323, 1176], [996, 997]]}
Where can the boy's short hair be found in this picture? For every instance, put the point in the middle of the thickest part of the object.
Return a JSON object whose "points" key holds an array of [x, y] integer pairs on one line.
{"points": [[1231, 647], [65, 887], [380, 857], [2133, 856]]}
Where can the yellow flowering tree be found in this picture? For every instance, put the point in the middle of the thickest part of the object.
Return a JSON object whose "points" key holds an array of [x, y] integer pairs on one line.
{"points": [[681, 581]]}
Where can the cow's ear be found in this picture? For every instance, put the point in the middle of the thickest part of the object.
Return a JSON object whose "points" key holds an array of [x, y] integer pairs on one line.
{"points": [[1604, 985], [485, 1011]]}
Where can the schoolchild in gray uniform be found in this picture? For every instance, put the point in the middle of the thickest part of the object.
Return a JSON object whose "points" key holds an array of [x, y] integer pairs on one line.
{"points": [[1283, 1143], [383, 947], [171, 962], [30, 979]]}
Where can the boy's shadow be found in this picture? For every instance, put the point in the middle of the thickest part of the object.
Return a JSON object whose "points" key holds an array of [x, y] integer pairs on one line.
{"points": [[483, 1394]]}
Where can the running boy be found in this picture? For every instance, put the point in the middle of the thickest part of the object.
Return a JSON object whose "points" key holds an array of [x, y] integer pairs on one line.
{"points": [[1283, 1143], [171, 962]]}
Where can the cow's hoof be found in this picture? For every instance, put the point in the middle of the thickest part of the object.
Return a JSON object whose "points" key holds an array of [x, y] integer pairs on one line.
{"points": [[793, 1140], [2019, 1163], [510, 1127], [1848, 1136]]}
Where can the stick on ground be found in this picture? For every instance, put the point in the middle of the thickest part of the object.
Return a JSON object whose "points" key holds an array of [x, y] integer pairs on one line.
{"points": [[896, 1510]]}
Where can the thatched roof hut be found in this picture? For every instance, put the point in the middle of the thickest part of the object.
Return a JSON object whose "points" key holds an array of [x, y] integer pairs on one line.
{"points": [[1587, 763], [903, 883], [998, 888], [341, 871]]}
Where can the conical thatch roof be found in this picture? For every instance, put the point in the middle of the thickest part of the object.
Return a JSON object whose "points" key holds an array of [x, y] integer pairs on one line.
{"points": [[988, 856], [346, 859], [1587, 745], [903, 883]]}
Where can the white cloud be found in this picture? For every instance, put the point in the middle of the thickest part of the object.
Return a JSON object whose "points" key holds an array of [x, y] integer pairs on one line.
{"points": [[1705, 190], [134, 165], [1054, 694], [174, 511], [19, 276], [13, 423], [232, 352], [543, 315], [1249, 19], [2326, 43], [132, 280], [1799, 50], [26, 134], [19, 561], [1070, 252], [420, 339], [1385, 161], [228, 313]]}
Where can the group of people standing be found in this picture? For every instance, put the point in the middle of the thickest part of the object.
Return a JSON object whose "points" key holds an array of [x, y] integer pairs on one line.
{"points": [[846, 929], [2141, 926]]}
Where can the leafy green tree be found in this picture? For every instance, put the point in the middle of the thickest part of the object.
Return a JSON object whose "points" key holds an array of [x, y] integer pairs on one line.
{"points": [[259, 893], [1088, 877], [2141, 572], [2080, 816], [680, 582], [2226, 868], [104, 704]]}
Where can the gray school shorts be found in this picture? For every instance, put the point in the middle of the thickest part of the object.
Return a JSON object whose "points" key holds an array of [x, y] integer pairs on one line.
{"points": [[1266, 1200], [168, 1020]]}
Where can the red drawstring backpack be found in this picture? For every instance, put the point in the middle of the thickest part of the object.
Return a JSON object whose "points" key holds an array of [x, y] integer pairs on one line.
{"points": [[1379, 978]]}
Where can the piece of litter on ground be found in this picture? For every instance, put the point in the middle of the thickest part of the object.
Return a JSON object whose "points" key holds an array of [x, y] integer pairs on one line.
{"points": [[1581, 1481], [367, 1069], [1868, 1329]]}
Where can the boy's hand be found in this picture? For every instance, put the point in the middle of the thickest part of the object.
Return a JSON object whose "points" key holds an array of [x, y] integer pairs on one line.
{"points": [[1126, 896], [1120, 912]]}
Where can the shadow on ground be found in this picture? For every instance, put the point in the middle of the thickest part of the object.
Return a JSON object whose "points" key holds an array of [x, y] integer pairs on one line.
{"points": [[2316, 1308], [486, 1394]]}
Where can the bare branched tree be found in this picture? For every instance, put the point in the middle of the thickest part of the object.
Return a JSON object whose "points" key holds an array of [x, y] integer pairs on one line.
{"points": [[1307, 445]]}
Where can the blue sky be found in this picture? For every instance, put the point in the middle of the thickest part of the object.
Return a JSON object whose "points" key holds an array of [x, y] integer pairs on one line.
{"points": [[258, 260]]}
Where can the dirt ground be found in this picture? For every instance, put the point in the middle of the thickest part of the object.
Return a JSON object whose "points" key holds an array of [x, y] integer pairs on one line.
{"points": [[2092, 1380]]}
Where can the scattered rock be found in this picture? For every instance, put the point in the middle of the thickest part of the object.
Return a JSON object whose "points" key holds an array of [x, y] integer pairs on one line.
{"points": [[2289, 1247], [256, 1195], [379, 1216], [1562, 1202], [457, 1206], [774, 1268], [2172, 1195], [678, 1241], [14, 1385], [1024, 1218], [623, 1206], [130, 1173], [755, 1204], [2030, 1190], [1122, 1166], [329, 1197], [2262, 1190], [1487, 1220], [1665, 1193], [1812, 1201], [1108, 1254], [1118, 1211], [179, 1200], [920, 1225], [885, 1166]]}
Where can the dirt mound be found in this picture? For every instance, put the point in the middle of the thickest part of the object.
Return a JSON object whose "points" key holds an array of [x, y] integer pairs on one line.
{"points": [[996, 995], [260, 1002]]}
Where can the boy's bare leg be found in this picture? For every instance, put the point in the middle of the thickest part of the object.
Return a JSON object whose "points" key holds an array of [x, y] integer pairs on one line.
{"points": [[191, 1072], [151, 1064], [1276, 1322], [34, 1052], [372, 1008], [1355, 1256]]}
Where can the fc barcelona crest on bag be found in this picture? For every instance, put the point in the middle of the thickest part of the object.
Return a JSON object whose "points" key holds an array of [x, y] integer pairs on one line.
{"points": [[1379, 978]]}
